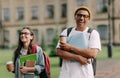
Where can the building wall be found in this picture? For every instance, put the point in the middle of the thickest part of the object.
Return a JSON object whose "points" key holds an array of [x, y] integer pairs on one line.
{"points": [[43, 24], [102, 19]]}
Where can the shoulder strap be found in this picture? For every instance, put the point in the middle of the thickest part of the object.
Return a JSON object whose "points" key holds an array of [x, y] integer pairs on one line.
{"points": [[93, 60], [89, 31], [69, 30], [34, 48]]}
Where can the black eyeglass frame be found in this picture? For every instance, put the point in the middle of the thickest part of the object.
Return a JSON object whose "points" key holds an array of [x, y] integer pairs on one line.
{"points": [[25, 33], [82, 15]]}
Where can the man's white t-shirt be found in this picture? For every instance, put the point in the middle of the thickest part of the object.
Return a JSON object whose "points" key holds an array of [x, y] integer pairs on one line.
{"points": [[73, 69]]}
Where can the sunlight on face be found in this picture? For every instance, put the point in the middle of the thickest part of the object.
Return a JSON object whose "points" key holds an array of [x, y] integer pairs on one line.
{"points": [[82, 18], [25, 36]]}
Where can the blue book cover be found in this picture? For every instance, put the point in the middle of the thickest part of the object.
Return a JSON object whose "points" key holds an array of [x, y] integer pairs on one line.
{"points": [[78, 40]]}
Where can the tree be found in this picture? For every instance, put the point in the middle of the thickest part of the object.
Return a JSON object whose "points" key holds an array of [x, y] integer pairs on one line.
{"points": [[43, 44], [54, 44]]}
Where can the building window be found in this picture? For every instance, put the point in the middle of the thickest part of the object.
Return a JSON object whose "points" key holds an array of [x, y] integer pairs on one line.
{"points": [[103, 30], [119, 30], [20, 13], [50, 34], [6, 36], [35, 12], [102, 6], [17, 35], [36, 36], [6, 14], [64, 10], [80, 2], [50, 11]]}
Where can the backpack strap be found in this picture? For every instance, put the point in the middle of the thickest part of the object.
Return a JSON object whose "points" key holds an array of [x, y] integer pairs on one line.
{"points": [[34, 48], [46, 71], [93, 60], [94, 64], [69, 30], [89, 31]]}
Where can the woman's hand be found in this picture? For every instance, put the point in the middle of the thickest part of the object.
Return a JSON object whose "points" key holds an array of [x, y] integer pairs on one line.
{"points": [[24, 69]]}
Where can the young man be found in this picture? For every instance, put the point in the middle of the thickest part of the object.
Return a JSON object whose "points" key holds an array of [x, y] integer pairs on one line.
{"points": [[79, 49]]}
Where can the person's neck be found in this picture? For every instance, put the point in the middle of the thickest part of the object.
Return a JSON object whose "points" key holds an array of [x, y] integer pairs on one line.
{"points": [[80, 28], [25, 45]]}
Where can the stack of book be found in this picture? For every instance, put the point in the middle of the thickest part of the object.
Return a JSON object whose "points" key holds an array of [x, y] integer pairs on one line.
{"points": [[28, 61], [78, 40]]}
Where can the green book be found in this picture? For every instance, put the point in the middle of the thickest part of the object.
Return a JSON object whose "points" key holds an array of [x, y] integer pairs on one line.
{"points": [[28, 58], [25, 58]]}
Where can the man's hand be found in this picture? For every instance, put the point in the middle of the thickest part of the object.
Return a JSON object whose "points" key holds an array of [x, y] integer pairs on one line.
{"points": [[83, 60], [65, 46]]}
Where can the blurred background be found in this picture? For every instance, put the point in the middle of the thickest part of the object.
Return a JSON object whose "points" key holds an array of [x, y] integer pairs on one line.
{"points": [[48, 18]]}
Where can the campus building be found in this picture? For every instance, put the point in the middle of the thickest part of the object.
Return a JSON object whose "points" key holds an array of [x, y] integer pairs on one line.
{"points": [[46, 16]]}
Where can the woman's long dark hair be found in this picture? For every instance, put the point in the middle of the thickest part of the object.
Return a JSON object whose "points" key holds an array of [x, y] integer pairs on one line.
{"points": [[20, 45]]}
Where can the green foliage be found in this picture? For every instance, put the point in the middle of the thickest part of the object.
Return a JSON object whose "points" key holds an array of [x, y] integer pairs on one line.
{"points": [[43, 44], [54, 44]]}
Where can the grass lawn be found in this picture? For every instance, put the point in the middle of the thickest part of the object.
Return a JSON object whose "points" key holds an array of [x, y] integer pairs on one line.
{"points": [[6, 55], [104, 53]]}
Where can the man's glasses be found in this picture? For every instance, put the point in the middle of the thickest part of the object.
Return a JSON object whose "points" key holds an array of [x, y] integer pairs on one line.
{"points": [[82, 15], [25, 33]]}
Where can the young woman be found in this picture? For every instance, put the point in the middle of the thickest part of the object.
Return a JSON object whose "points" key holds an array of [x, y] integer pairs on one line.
{"points": [[26, 38]]}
